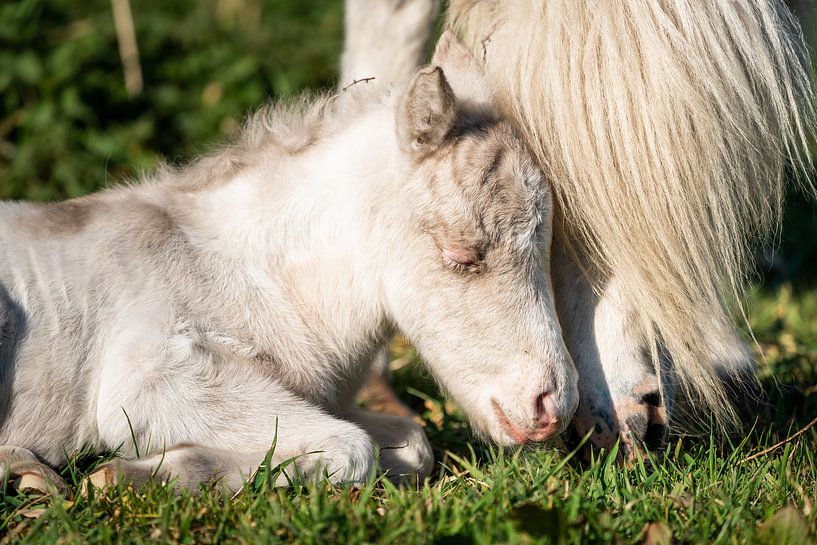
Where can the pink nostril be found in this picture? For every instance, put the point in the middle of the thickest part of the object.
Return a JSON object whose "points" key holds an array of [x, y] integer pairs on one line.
{"points": [[543, 410]]}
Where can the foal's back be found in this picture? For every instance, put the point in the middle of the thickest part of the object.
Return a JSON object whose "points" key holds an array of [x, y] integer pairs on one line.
{"points": [[66, 270]]}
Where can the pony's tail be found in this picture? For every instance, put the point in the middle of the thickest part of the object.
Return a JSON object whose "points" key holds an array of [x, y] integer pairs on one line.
{"points": [[386, 40], [668, 128]]}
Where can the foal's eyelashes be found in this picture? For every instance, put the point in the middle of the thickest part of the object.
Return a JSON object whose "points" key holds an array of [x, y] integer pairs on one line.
{"points": [[462, 258]]}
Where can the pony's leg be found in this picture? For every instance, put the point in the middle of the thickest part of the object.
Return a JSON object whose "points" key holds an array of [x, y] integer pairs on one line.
{"points": [[620, 394], [643, 398], [731, 358], [735, 366], [405, 452], [20, 468], [386, 39]]}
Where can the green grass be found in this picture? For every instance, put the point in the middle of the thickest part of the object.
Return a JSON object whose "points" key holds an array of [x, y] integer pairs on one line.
{"points": [[700, 490], [67, 127]]}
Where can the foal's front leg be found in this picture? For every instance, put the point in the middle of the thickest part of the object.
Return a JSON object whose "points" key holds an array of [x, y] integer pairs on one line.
{"points": [[21, 468], [199, 416], [405, 452], [310, 443], [377, 393]]}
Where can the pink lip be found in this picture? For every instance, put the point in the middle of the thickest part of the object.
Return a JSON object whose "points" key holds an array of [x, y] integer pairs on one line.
{"points": [[532, 435]]}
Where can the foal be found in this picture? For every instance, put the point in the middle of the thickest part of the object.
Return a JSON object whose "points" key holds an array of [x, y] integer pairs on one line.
{"points": [[205, 312]]}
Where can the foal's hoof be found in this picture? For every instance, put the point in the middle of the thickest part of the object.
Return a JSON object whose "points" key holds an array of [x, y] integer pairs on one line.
{"points": [[101, 479], [410, 458], [34, 478], [131, 472]]}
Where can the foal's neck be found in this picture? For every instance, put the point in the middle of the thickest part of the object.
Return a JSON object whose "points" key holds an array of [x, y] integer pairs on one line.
{"points": [[297, 232]]}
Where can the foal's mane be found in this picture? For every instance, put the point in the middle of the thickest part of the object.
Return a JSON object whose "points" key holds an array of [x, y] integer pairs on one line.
{"points": [[283, 127]]}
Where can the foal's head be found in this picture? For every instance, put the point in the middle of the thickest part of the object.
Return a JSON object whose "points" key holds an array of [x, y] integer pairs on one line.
{"points": [[468, 276]]}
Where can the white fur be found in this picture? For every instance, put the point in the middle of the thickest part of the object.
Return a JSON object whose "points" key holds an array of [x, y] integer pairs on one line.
{"points": [[666, 128], [403, 26], [196, 316]]}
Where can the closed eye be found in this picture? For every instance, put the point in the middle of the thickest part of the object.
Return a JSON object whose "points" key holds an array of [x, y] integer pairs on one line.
{"points": [[462, 259]]}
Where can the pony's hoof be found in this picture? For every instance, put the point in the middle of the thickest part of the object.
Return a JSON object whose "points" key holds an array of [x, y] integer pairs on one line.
{"points": [[638, 422], [644, 425]]}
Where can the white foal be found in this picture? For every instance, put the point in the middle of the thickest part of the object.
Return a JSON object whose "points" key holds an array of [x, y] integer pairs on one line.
{"points": [[208, 310]]}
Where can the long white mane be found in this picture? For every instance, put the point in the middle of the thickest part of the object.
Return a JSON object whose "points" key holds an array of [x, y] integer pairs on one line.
{"points": [[288, 127], [668, 128]]}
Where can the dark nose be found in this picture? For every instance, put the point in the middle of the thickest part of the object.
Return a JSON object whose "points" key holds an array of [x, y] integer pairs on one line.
{"points": [[544, 410]]}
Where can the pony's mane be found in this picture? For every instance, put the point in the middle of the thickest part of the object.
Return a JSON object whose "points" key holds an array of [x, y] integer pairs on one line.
{"points": [[667, 128], [284, 127]]}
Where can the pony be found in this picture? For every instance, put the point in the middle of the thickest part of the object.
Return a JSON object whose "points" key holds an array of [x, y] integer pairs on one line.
{"points": [[667, 129], [189, 321]]}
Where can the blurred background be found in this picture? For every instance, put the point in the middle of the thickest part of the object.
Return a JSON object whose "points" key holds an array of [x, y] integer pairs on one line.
{"points": [[69, 124], [82, 108]]}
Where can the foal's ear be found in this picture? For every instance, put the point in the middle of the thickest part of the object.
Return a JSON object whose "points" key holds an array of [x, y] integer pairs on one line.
{"points": [[464, 72], [427, 112]]}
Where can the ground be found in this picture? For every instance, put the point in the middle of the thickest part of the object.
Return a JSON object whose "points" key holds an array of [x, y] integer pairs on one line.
{"points": [[702, 489], [68, 127]]}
